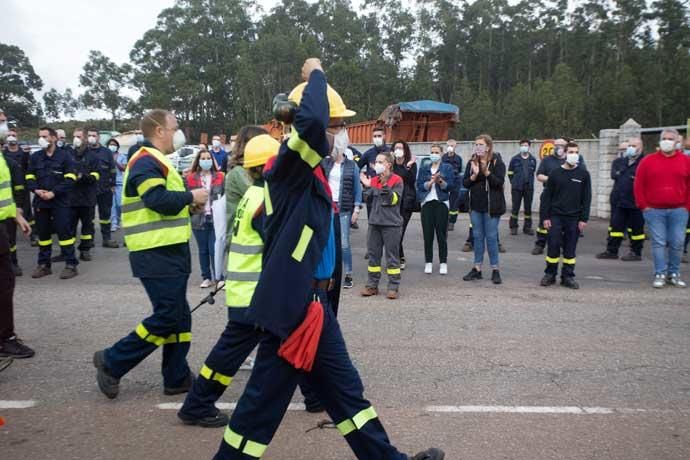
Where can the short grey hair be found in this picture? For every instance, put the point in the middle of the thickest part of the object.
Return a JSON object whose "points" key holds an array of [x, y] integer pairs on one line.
{"points": [[673, 131]]}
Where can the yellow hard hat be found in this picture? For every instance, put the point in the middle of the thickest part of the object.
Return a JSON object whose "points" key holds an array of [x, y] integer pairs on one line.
{"points": [[335, 102], [259, 149]]}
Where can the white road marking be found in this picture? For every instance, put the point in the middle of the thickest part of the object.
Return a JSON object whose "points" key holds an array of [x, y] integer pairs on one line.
{"points": [[574, 410], [224, 406], [17, 404]]}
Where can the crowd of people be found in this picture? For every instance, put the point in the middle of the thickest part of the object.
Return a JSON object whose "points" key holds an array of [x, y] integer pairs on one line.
{"points": [[290, 208]]}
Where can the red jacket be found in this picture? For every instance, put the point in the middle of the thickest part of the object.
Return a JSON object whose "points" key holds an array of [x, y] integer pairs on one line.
{"points": [[663, 182]]}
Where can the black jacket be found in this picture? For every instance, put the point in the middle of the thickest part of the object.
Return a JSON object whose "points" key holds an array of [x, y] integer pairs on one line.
{"points": [[107, 169], [409, 177], [569, 194], [516, 174], [485, 194], [86, 168], [623, 174]]}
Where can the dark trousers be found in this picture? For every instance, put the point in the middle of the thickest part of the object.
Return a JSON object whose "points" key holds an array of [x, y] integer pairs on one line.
{"points": [[454, 202], [85, 216], [11, 228], [334, 378], [206, 241], [435, 222], [563, 236], [406, 215], [169, 326], [622, 220], [55, 220], [6, 285], [542, 233], [687, 237], [105, 207], [520, 196]]}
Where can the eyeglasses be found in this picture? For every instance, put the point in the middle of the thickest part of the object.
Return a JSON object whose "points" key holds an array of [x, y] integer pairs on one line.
{"points": [[341, 125]]}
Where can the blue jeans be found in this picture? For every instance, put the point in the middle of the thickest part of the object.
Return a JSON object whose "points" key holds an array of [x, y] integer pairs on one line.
{"points": [[206, 240], [485, 228], [116, 212], [667, 228], [345, 218]]}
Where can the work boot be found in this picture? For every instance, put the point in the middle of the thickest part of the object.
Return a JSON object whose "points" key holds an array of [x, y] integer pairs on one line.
{"points": [[183, 388], [70, 271], [430, 454], [110, 244], [41, 271], [631, 257], [17, 270], [85, 256], [548, 280], [537, 250], [474, 274], [109, 385], [513, 230], [217, 420], [528, 231], [451, 226], [15, 348], [570, 282], [369, 291], [501, 249], [58, 258], [467, 247], [607, 256], [392, 295]]}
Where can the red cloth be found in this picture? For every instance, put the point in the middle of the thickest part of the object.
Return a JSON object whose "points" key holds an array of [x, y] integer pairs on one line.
{"points": [[392, 180], [663, 182], [300, 347]]}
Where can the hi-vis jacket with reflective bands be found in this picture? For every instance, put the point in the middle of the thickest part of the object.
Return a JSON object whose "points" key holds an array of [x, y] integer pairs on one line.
{"points": [[298, 210], [145, 228], [8, 208], [54, 173], [245, 255]]}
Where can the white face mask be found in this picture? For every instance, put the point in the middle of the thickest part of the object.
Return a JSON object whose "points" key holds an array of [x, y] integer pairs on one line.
{"points": [[572, 159], [76, 142], [450, 149], [379, 168], [666, 145], [60, 143], [12, 139], [378, 141], [399, 153], [524, 149], [140, 138], [348, 154], [179, 140], [112, 148], [3, 129], [341, 141], [216, 143], [43, 143], [93, 140], [678, 146]]}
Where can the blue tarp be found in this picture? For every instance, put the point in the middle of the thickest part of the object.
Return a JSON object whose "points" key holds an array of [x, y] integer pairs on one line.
{"points": [[428, 106]]}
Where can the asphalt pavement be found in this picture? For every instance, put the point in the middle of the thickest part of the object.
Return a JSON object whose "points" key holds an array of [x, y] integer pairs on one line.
{"points": [[514, 371]]}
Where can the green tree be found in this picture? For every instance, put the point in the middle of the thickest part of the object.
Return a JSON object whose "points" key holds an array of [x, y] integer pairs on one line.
{"points": [[18, 82], [104, 83]]}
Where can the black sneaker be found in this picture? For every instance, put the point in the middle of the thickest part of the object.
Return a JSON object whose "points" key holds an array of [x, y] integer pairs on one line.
{"points": [[570, 283], [355, 226], [430, 454], [548, 280], [210, 421], [15, 348], [496, 277], [607, 256], [183, 388], [474, 274], [347, 284], [109, 385], [314, 407]]}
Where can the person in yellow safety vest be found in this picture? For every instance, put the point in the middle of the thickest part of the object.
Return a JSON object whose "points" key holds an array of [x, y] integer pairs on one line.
{"points": [[245, 263], [156, 222], [11, 202]]}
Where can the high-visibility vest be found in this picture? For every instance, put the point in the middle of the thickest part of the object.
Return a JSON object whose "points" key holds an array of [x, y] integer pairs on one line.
{"points": [[245, 258], [144, 228], [8, 210]]}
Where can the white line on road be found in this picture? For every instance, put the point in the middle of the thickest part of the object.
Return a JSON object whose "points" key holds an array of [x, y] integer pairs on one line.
{"points": [[17, 404], [568, 410], [222, 406]]}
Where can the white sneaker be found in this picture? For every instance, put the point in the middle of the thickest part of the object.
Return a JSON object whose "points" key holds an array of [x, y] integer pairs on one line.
{"points": [[428, 269], [659, 280], [206, 284], [675, 280], [220, 285], [443, 269], [248, 364]]}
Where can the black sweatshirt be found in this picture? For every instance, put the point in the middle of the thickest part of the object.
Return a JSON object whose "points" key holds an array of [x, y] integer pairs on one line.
{"points": [[569, 194]]}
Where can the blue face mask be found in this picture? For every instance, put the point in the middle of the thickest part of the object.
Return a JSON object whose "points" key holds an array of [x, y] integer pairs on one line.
{"points": [[206, 164], [687, 152], [630, 152], [435, 157]]}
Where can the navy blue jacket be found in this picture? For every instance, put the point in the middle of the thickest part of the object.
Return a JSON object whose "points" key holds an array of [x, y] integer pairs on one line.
{"points": [[52, 173], [516, 173], [424, 176], [624, 176], [86, 167], [455, 162], [165, 261], [368, 158], [298, 217], [107, 168]]}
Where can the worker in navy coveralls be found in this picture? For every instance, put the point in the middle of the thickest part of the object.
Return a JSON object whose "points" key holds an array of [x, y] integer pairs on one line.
{"points": [[290, 298]]}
